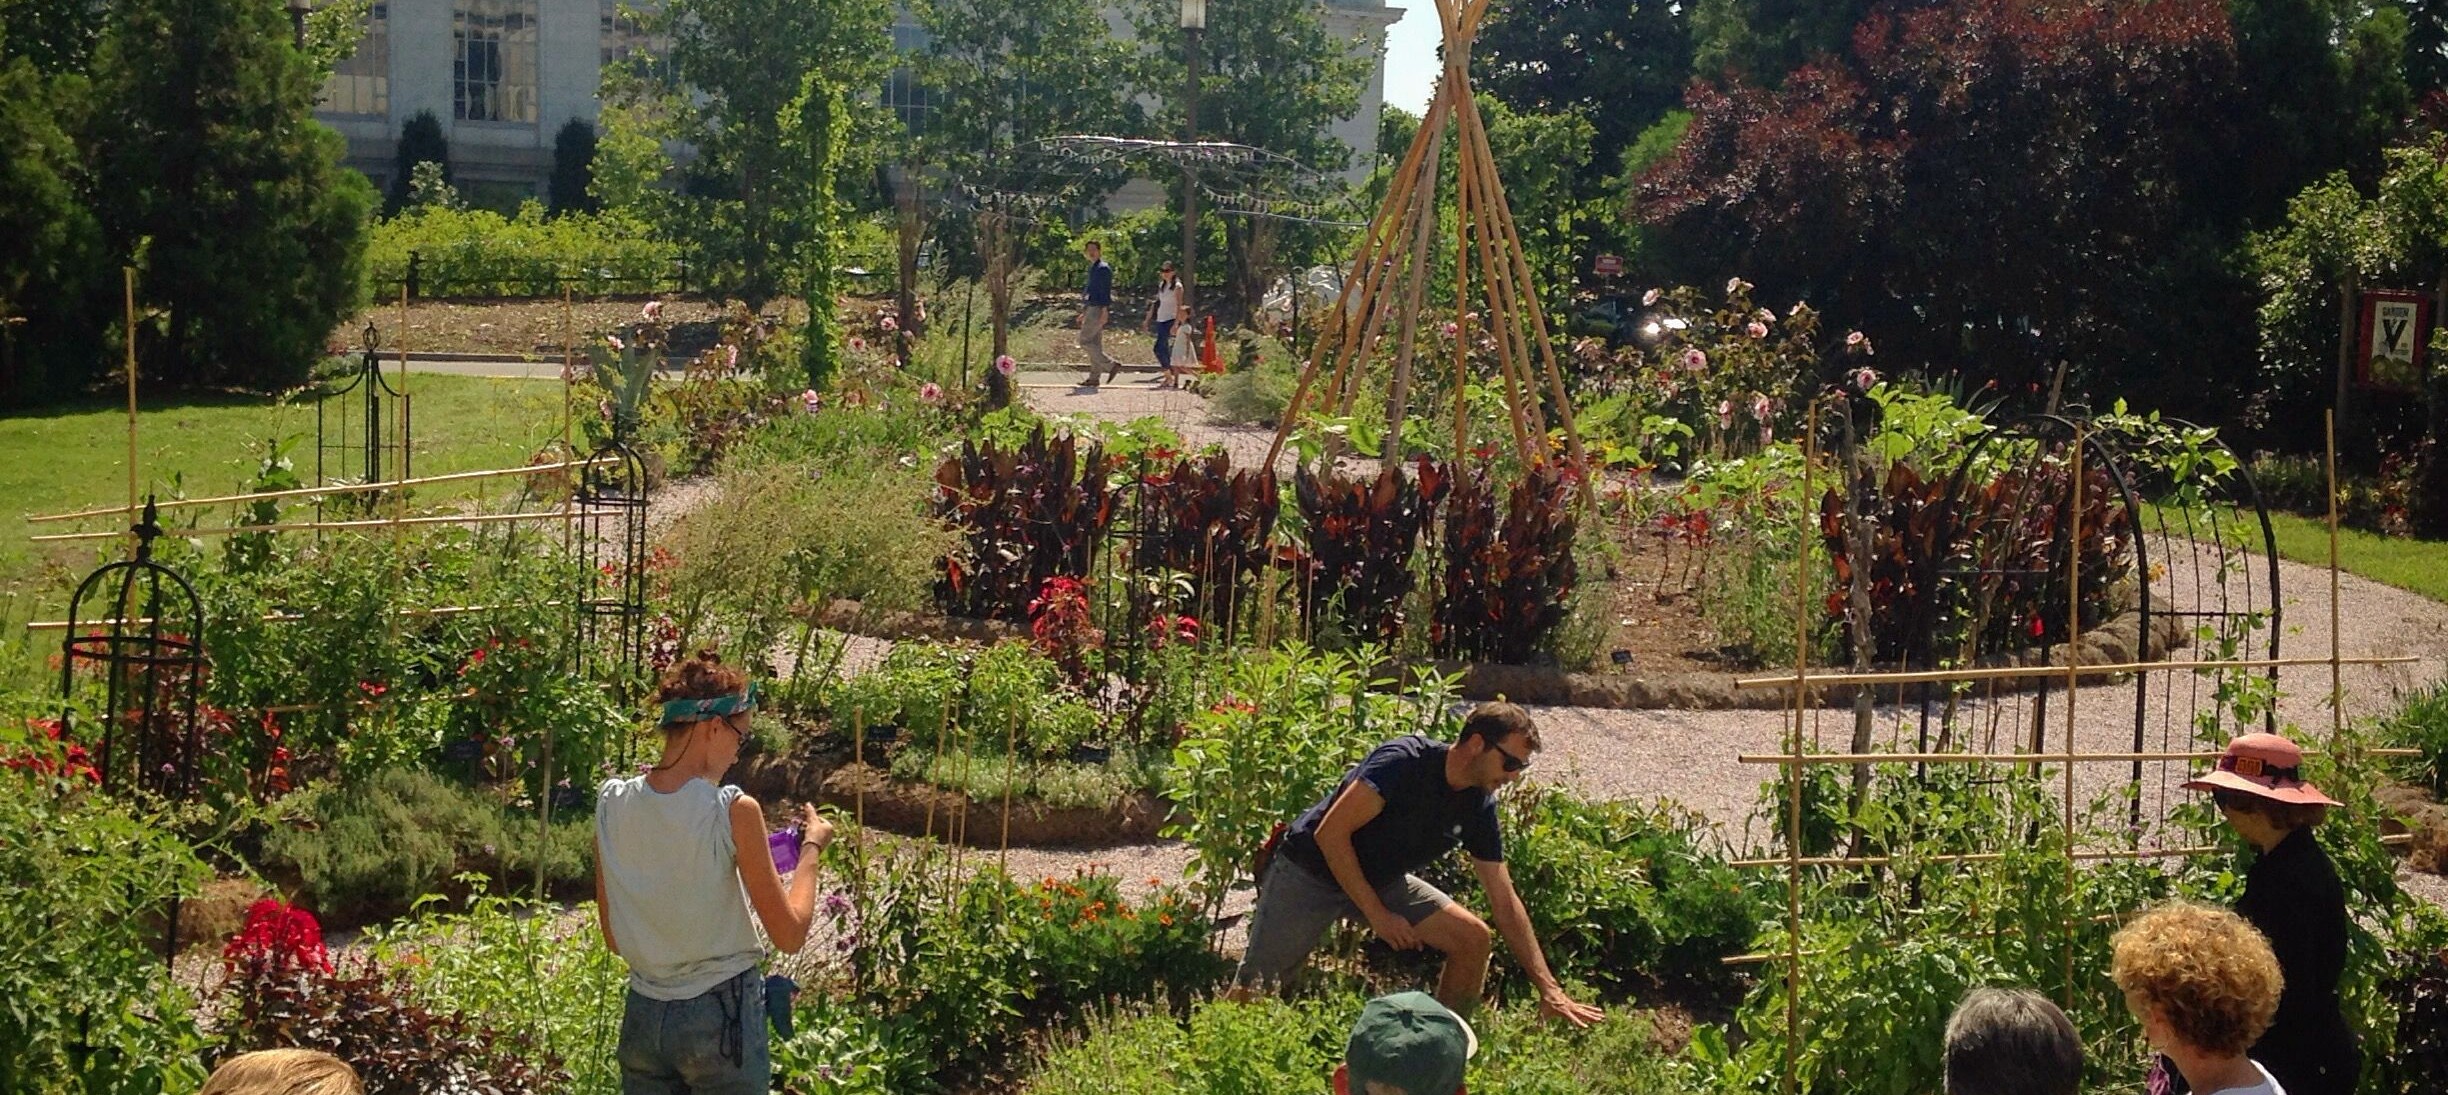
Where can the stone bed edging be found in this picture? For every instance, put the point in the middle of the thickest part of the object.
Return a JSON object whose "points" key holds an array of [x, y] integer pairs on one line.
{"points": [[2116, 642]]}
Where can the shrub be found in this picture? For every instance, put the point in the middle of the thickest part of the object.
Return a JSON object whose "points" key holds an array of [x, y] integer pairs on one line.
{"points": [[90, 1004], [961, 972], [983, 775], [368, 1017], [778, 542], [480, 253], [968, 699], [373, 848], [1270, 1045], [1262, 1046]]}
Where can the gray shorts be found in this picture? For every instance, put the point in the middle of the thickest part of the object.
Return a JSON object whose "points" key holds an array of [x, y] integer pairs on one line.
{"points": [[1295, 907]]}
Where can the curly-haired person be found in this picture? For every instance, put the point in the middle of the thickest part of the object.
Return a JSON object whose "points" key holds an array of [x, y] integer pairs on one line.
{"points": [[676, 851], [2204, 983]]}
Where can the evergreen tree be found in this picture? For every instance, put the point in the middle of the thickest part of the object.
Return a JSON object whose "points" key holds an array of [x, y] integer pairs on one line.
{"points": [[47, 334], [573, 174], [420, 141], [248, 233]]}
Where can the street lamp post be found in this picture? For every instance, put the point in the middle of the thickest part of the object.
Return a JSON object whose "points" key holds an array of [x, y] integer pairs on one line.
{"points": [[298, 11], [1193, 21]]}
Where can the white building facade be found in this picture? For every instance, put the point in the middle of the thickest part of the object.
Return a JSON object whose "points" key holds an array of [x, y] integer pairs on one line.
{"points": [[503, 76]]}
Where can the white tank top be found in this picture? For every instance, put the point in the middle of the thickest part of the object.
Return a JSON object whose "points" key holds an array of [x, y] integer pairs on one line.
{"points": [[671, 881], [1168, 302]]}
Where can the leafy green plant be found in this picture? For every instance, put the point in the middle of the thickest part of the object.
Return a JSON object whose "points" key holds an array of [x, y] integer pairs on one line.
{"points": [[91, 1006], [539, 978], [1626, 895], [960, 972], [1283, 729], [2422, 725]]}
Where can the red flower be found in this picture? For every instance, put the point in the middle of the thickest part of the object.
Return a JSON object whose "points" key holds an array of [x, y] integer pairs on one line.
{"points": [[282, 934]]}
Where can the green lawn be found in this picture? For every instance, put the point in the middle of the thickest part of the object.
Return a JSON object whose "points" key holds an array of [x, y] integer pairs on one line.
{"points": [[74, 458], [2419, 566]]}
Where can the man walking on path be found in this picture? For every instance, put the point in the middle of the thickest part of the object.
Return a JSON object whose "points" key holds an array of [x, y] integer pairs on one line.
{"points": [[1092, 317], [1351, 857]]}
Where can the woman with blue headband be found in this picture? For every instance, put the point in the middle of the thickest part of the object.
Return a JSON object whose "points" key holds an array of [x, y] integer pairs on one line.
{"points": [[675, 852]]}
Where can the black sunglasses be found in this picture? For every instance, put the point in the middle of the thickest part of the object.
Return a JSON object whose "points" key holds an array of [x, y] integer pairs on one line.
{"points": [[1511, 763]]}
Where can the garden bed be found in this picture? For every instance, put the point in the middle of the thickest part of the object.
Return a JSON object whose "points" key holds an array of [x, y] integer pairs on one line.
{"points": [[828, 776], [2116, 642]]}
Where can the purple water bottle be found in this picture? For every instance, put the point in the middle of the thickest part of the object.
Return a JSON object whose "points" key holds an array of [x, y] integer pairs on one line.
{"points": [[785, 848]]}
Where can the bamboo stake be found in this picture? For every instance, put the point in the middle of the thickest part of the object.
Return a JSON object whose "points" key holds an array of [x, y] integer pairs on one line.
{"points": [[300, 492], [1546, 343], [1503, 295], [1931, 676], [1011, 772], [2074, 532], [292, 617], [1793, 777], [127, 276], [1404, 179], [1416, 218], [2010, 758], [1474, 229], [393, 523], [1399, 398], [2337, 687]]}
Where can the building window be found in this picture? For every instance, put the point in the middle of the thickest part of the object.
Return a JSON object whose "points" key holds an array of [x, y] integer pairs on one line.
{"points": [[629, 47], [903, 94], [361, 83], [493, 61]]}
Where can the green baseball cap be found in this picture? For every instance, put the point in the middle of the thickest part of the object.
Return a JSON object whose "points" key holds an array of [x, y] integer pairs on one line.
{"points": [[1411, 1042]]}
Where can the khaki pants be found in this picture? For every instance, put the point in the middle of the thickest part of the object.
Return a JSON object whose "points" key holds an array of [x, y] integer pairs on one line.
{"points": [[1092, 339]]}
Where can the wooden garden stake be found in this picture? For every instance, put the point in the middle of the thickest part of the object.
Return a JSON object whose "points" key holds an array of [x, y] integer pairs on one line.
{"points": [[1793, 774], [2073, 670], [1011, 773], [944, 720], [2337, 687], [127, 275]]}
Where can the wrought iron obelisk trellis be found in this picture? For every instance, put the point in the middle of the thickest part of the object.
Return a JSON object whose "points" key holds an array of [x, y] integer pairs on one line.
{"points": [[610, 515], [364, 445], [136, 670]]}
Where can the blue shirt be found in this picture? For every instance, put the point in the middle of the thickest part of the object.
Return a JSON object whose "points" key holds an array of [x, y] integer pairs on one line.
{"points": [[1424, 817], [1100, 284]]}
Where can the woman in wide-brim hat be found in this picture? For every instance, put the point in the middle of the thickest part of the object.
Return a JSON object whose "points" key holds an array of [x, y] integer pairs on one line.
{"points": [[2293, 895]]}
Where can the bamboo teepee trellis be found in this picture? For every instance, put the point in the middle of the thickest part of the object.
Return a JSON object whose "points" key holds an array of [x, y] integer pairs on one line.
{"points": [[1390, 274]]}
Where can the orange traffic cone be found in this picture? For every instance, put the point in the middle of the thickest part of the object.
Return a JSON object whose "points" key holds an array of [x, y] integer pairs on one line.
{"points": [[1209, 360]]}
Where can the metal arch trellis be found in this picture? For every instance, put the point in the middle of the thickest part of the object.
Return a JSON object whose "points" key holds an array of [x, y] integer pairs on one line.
{"points": [[609, 513], [148, 653], [354, 448]]}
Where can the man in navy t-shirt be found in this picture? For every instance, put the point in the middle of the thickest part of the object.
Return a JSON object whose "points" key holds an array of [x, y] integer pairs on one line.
{"points": [[1096, 306], [1351, 857]]}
